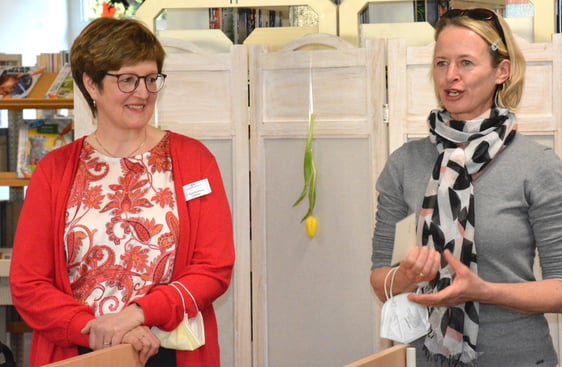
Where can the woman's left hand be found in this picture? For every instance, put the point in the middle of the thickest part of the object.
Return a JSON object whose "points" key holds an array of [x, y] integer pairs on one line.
{"points": [[144, 342], [109, 329], [465, 287]]}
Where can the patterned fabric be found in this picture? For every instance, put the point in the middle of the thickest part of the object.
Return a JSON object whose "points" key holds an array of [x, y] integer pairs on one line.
{"points": [[446, 219], [122, 227]]}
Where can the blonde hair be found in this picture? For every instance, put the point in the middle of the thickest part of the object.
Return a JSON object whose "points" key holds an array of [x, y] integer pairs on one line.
{"points": [[508, 94]]}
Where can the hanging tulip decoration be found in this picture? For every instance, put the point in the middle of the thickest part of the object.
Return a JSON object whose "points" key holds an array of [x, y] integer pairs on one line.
{"points": [[309, 189]]}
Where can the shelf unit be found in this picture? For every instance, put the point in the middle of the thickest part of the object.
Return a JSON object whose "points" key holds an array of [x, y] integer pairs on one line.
{"points": [[351, 29], [35, 101], [15, 107], [326, 9]]}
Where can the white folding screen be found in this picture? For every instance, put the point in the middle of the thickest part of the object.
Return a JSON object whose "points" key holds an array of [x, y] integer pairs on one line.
{"points": [[296, 301], [206, 97], [312, 302]]}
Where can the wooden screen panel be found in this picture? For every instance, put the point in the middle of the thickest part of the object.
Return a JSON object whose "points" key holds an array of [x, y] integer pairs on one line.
{"points": [[206, 97], [313, 305], [411, 95], [287, 89], [319, 304]]}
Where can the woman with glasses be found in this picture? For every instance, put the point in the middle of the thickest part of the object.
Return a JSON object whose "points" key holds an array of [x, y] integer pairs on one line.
{"points": [[486, 199], [126, 229]]}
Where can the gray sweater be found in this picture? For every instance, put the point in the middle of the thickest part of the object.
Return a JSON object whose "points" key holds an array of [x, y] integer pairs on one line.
{"points": [[518, 208]]}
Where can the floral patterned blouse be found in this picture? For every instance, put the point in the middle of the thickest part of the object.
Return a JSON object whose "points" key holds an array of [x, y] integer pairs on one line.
{"points": [[121, 227]]}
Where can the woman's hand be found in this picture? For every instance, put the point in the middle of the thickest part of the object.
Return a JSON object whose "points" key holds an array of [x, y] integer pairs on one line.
{"points": [[109, 329], [465, 287], [144, 342], [421, 264]]}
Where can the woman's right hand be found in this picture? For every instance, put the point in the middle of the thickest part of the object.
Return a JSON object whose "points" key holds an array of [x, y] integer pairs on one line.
{"points": [[421, 264], [109, 329], [144, 342]]}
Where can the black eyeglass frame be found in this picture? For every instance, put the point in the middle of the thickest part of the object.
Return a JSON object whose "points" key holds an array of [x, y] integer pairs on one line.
{"points": [[137, 82], [481, 14]]}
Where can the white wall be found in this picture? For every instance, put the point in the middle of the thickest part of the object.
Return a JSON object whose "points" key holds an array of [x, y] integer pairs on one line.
{"points": [[30, 27]]}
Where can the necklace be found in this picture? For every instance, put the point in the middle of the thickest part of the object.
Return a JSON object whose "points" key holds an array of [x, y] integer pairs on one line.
{"points": [[113, 155]]}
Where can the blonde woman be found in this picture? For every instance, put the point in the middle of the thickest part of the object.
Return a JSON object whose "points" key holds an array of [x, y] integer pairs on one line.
{"points": [[486, 198]]}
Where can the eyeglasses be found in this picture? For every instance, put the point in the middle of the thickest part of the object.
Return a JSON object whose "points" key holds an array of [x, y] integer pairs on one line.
{"points": [[128, 83], [478, 14]]}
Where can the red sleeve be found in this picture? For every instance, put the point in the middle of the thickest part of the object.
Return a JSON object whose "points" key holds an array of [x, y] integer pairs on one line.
{"points": [[39, 281]]}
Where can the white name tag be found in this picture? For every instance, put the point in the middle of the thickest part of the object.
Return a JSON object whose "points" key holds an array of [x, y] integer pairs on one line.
{"points": [[196, 189]]}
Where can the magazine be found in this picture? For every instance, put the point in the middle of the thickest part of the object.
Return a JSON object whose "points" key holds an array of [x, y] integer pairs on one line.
{"points": [[63, 85], [18, 81], [39, 137]]}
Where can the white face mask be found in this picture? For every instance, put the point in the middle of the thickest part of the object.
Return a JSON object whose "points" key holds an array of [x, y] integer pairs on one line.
{"points": [[402, 320], [189, 334]]}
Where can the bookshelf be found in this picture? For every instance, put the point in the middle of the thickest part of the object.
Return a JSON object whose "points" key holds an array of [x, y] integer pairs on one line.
{"points": [[8, 177], [351, 29], [36, 101], [326, 9], [9, 321]]}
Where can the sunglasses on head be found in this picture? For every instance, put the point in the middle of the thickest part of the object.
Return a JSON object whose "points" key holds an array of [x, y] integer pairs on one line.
{"points": [[482, 14]]}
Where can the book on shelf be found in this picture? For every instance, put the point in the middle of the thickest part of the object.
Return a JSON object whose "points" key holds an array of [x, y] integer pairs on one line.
{"points": [[238, 23], [53, 62], [39, 137], [7, 60], [18, 81], [62, 86], [215, 18]]}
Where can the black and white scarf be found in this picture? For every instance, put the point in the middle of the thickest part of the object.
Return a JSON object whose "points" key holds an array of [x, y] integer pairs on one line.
{"points": [[446, 219]]}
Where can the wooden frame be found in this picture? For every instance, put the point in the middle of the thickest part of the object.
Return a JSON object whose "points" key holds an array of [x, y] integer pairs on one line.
{"points": [[395, 356], [346, 87], [122, 355]]}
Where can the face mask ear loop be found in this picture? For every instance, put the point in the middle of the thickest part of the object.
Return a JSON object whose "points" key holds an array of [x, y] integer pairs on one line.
{"points": [[393, 271]]}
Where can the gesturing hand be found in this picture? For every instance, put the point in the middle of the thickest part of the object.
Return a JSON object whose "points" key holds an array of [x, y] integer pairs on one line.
{"points": [[465, 287]]}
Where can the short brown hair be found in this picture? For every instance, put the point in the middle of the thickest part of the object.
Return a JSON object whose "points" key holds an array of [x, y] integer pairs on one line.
{"points": [[108, 44]]}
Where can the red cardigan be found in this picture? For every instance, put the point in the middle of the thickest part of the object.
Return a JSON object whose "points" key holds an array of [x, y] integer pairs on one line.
{"points": [[40, 283]]}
